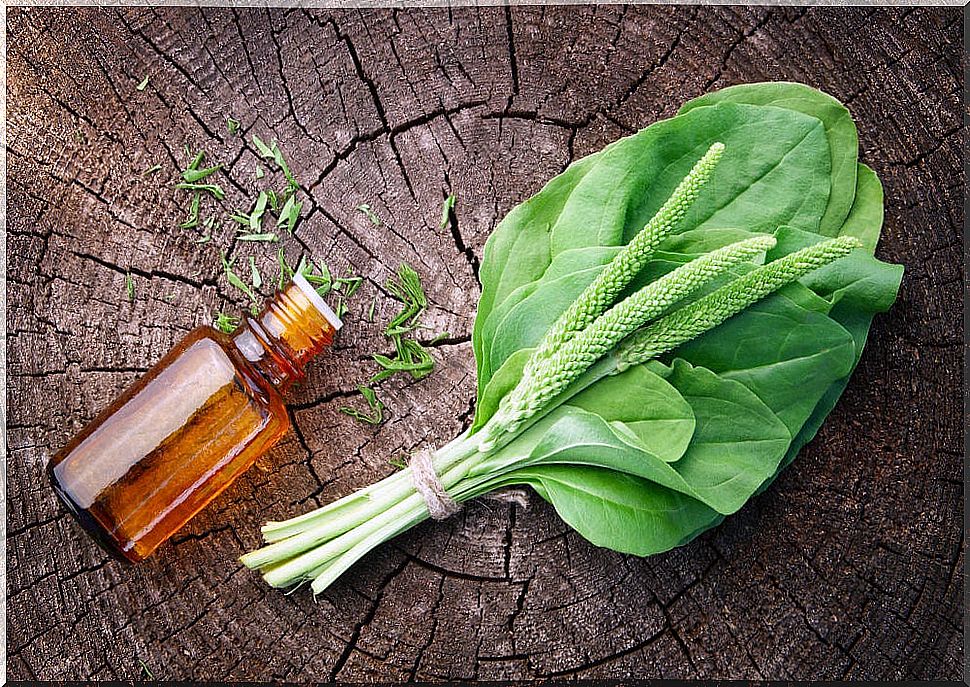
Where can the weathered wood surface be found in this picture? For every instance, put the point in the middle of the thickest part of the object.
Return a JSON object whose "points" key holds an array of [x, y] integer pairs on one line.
{"points": [[849, 566]]}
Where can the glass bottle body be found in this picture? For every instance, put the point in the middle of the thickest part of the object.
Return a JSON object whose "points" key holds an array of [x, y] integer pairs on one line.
{"points": [[183, 432]]}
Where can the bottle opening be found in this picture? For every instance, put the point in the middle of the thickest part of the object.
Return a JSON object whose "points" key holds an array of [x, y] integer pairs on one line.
{"points": [[317, 301]]}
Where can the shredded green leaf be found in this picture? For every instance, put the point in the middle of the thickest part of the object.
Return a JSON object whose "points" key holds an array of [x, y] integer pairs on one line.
{"points": [[193, 219], [446, 208], [352, 284], [376, 415], [232, 125], [225, 323], [152, 170], [369, 214], [141, 86], [129, 286], [214, 189], [193, 175], [234, 280], [264, 150], [370, 312], [259, 173], [285, 271], [269, 237]]}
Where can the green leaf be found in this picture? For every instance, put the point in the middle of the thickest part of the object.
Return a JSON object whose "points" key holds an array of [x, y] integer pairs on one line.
{"points": [[840, 131], [785, 354], [143, 84], [865, 218], [446, 208], [264, 150], [617, 511]]}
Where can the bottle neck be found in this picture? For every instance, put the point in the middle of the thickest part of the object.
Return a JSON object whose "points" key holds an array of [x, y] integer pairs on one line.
{"points": [[291, 329]]}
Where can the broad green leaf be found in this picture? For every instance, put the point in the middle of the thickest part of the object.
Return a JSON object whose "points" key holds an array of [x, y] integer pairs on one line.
{"points": [[650, 416], [737, 444], [517, 252], [643, 403], [785, 354], [697, 241], [865, 218], [839, 129], [615, 510]]}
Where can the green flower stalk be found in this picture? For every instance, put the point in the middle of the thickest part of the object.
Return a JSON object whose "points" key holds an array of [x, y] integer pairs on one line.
{"points": [[608, 284], [706, 313], [552, 375]]}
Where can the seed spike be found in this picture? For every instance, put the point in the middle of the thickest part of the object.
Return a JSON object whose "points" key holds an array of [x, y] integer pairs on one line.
{"points": [[608, 284], [711, 310], [554, 374]]}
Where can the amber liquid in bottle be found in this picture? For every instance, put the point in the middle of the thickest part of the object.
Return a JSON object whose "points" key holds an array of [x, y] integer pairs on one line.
{"points": [[182, 433]]}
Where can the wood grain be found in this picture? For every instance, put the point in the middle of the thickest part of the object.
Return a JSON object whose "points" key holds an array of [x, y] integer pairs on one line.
{"points": [[850, 566]]}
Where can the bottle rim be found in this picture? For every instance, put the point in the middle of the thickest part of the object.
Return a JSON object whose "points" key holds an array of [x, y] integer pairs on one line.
{"points": [[317, 301]]}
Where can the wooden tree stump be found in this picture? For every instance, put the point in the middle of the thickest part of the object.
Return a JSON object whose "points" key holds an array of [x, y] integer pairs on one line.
{"points": [[849, 566]]}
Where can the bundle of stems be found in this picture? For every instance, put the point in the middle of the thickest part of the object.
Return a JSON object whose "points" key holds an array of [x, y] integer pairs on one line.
{"points": [[594, 338]]}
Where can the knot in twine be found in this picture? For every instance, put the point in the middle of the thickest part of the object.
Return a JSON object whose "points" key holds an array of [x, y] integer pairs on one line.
{"points": [[428, 484]]}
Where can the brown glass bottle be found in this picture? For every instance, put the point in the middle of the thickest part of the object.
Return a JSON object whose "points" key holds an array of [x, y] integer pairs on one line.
{"points": [[183, 432]]}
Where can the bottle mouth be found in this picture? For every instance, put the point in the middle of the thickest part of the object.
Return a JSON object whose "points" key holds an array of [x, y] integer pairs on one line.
{"points": [[317, 301]]}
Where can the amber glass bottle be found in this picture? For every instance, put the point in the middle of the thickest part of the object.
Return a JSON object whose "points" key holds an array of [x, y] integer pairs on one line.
{"points": [[183, 432]]}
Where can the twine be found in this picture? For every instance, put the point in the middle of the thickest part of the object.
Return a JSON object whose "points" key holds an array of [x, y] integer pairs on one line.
{"points": [[428, 484]]}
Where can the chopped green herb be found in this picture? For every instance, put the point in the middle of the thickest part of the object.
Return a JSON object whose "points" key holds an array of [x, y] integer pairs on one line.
{"points": [[239, 217], [407, 289], [370, 312], [142, 85], [151, 170], [399, 463], [285, 271], [440, 337], [376, 415], [289, 214], [232, 125], [214, 189], [197, 160], [145, 670], [264, 150], [278, 157], [257, 279], [193, 219], [256, 216], [259, 172], [208, 223], [204, 239], [365, 208], [411, 356], [129, 286], [446, 209], [323, 282], [273, 152], [193, 175], [234, 280], [352, 284], [225, 323], [269, 237], [341, 308]]}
